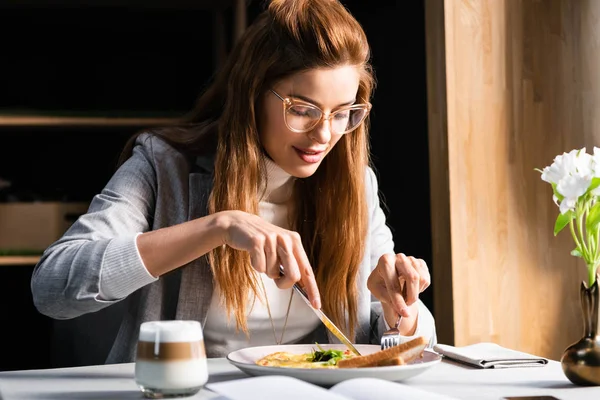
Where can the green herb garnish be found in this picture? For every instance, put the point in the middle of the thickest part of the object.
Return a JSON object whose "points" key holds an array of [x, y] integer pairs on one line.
{"points": [[329, 357]]}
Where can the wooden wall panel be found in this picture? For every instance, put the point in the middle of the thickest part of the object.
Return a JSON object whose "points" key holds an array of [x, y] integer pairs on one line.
{"points": [[520, 85], [438, 171]]}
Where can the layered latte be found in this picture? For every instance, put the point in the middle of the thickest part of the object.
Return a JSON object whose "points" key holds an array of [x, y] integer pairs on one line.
{"points": [[170, 359]]}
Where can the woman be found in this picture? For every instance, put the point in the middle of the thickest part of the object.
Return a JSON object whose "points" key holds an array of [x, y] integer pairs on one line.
{"points": [[272, 169]]}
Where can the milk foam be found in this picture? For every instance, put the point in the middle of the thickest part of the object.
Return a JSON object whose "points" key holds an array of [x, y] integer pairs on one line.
{"points": [[171, 375], [170, 331]]}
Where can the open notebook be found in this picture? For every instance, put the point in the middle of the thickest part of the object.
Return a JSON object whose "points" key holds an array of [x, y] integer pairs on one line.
{"points": [[275, 387]]}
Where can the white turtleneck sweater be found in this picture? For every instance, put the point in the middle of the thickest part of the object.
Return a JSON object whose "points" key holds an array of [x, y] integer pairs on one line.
{"points": [[219, 332]]}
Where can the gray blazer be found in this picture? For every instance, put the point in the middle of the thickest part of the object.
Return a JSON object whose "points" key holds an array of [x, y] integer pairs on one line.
{"points": [[158, 187]]}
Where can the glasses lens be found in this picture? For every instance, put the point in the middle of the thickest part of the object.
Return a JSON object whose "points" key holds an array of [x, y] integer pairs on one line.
{"points": [[302, 117], [346, 120]]}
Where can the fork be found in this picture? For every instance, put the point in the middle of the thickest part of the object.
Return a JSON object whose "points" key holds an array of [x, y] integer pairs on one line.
{"points": [[391, 337]]}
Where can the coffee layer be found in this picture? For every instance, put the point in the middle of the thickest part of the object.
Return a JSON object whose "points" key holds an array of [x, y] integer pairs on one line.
{"points": [[170, 351]]}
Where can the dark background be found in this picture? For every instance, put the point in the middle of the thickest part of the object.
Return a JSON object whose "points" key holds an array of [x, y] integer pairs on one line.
{"points": [[154, 61]]}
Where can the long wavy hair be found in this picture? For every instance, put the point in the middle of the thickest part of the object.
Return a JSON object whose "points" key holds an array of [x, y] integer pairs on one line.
{"points": [[329, 207]]}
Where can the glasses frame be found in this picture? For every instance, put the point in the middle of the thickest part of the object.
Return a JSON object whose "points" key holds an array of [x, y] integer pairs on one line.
{"points": [[288, 103]]}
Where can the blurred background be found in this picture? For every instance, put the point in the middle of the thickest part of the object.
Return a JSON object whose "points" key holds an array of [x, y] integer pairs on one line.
{"points": [[77, 78]]}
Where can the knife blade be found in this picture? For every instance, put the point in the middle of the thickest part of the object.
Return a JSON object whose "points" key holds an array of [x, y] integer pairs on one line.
{"points": [[326, 321]]}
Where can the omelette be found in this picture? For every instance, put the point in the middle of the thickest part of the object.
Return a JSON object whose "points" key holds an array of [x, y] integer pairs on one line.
{"points": [[317, 359]]}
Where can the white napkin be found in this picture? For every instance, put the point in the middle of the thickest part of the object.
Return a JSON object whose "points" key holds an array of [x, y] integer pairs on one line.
{"points": [[490, 355]]}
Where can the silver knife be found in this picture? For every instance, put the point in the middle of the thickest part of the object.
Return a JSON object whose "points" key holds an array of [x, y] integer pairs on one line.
{"points": [[326, 321]]}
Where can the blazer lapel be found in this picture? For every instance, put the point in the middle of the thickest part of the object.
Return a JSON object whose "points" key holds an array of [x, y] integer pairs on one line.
{"points": [[196, 287]]}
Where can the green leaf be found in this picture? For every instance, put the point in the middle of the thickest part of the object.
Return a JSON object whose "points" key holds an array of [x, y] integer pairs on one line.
{"points": [[593, 218], [559, 196], [562, 220], [330, 356], [595, 183], [576, 253]]}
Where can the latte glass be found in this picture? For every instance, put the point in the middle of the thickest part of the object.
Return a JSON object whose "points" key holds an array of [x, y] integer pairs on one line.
{"points": [[170, 360]]}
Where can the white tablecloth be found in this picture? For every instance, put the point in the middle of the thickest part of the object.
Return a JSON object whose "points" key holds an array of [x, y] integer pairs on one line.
{"points": [[117, 382]]}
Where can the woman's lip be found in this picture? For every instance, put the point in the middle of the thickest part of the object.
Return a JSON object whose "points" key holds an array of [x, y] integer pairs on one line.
{"points": [[309, 156], [309, 150]]}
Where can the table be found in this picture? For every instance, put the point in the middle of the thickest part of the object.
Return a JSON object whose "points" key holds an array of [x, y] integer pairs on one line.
{"points": [[116, 381]]}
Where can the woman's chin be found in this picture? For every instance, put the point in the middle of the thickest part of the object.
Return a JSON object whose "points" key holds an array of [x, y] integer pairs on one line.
{"points": [[303, 171]]}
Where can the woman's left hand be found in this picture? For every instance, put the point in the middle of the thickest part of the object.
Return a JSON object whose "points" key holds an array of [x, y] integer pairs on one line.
{"points": [[386, 281]]}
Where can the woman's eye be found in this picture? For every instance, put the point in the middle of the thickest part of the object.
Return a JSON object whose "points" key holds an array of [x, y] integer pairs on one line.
{"points": [[304, 112], [300, 111]]}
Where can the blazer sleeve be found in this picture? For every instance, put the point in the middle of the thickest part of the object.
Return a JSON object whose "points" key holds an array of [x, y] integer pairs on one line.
{"points": [[382, 243], [100, 247]]}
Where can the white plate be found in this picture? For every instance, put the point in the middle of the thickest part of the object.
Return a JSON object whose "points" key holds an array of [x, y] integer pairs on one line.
{"points": [[245, 360]]}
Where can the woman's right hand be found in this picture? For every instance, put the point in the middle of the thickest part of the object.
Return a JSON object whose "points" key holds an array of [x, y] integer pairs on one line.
{"points": [[271, 246]]}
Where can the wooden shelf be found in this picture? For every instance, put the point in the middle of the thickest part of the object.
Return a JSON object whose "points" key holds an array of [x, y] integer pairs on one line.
{"points": [[185, 4], [19, 260], [84, 121]]}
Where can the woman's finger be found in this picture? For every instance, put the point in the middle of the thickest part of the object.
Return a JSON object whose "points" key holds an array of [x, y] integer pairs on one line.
{"points": [[376, 286], [271, 256], [388, 272], [423, 274], [291, 272], [307, 276], [257, 254], [406, 267]]}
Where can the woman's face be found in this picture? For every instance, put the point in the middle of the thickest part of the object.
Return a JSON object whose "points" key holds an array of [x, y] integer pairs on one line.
{"points": [[300, 154]]}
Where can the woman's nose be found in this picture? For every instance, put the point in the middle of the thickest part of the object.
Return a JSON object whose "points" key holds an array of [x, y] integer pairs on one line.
{"points": [[322, 132]]}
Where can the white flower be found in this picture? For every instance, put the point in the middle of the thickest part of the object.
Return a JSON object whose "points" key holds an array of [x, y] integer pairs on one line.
{"points": [[571, 187], [575, 162], [572, 174], [596, 169], [568, 204], [596, 162], [584, 164], [562, 166]]}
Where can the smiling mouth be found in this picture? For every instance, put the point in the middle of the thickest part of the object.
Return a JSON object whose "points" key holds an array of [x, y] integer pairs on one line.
{"points": [[310, 157], [309, 151]]}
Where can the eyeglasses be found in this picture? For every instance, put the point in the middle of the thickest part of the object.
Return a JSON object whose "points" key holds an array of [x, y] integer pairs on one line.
{"points": [[301, 116]]}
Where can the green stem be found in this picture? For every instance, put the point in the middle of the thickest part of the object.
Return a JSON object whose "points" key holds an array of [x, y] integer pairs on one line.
{"points": [[597, 243], [592, 264], [584, 249], [592, 242], [572, 228], [593, 235]]}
